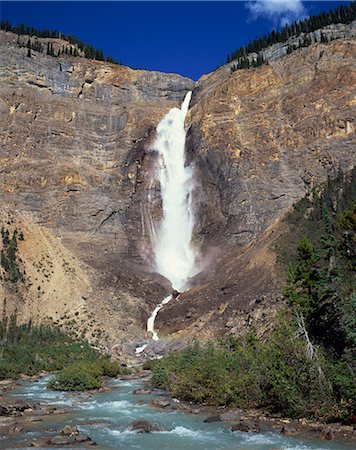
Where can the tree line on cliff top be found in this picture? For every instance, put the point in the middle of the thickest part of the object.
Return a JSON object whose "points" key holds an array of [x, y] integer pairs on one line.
{"points": [[77, 47], [341, 14]]}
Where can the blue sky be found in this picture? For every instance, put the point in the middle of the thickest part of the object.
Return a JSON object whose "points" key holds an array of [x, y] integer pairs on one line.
{"points": [[190, 38]]}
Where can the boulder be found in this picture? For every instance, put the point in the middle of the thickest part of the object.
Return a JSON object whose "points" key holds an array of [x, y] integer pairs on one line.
{"points": [[15, 429], [288, 429], [231, 416], [159, 403], [141, 392], [82, 438], [60, 440], [329, 436], [7, 421], [246, 426], [212, 419], [69, 431], [144, 426]]}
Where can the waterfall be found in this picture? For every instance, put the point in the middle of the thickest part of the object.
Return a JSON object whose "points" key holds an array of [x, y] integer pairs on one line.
{"points": [[174, 254]]}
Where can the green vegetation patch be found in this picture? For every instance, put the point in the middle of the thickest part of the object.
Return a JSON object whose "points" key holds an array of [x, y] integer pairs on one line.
{"points": [[88, 50], [306, 365], [8, 255], [278, 375], [29, 349], [85, 375]]}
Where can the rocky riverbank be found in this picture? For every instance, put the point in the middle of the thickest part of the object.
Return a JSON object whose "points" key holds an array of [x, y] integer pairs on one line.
{"points": [[255, 420], [56, 420]]}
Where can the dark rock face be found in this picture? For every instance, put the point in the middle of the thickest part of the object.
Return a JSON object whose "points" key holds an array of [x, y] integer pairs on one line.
{"points": [[76, 138]]}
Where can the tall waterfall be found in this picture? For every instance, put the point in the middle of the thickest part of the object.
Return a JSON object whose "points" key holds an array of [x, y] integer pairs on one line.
{"points": [[174, 255]]}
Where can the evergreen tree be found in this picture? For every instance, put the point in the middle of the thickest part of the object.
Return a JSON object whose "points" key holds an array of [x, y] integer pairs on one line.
{"points": [[29, 48], [342, 14]]}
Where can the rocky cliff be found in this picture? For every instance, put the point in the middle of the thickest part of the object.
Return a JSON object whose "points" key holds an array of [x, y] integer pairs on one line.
{"points": [[74, 170]]}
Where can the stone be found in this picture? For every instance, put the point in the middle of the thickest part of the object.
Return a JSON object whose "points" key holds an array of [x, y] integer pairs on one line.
{"points": [[60, 440], [212, 419], [288, 430], [68, 430], [159, 403], [7, 421], [15, 429], [141, 391], [82, 438], [329, 436], [246, 426], [231, 416], [144, 426]]}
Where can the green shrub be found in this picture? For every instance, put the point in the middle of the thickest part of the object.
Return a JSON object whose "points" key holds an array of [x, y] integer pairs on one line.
{"points": [[78, 377], [110, 369], [85, 375], [30, 349], [276, 374]]}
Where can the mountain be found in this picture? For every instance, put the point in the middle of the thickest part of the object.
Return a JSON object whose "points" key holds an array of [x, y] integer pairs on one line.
{"points": [[74, 166]]}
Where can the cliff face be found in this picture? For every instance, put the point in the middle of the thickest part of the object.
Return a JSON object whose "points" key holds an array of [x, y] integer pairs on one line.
{"points": [[74, 172], [68, 128], [261, 138]]}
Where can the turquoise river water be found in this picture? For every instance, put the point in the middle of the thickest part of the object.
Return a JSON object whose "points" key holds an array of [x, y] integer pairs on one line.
{"points": [[105, 416]]}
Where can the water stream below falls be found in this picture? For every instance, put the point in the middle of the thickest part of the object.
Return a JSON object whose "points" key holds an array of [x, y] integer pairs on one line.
{"points": [[105, 416]]}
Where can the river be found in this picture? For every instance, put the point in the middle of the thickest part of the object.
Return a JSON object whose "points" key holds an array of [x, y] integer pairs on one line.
{"points": [[105, 416]]}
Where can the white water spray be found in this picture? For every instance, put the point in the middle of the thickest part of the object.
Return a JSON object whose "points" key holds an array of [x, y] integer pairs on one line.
{"points": [[152, 318], [174, 254]]}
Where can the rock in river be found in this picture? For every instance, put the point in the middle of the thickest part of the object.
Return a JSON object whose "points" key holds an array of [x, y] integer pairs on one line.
{"points": [[144, 426]]}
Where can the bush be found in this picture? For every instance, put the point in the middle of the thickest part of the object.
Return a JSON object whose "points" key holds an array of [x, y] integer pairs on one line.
{"points": [[30, 349], [110, 369], [85, 375], [276, 374], [78, 377]]}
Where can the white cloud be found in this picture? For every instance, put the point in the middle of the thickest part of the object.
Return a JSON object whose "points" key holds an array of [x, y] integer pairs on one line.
{"points": [[277, 11]]}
